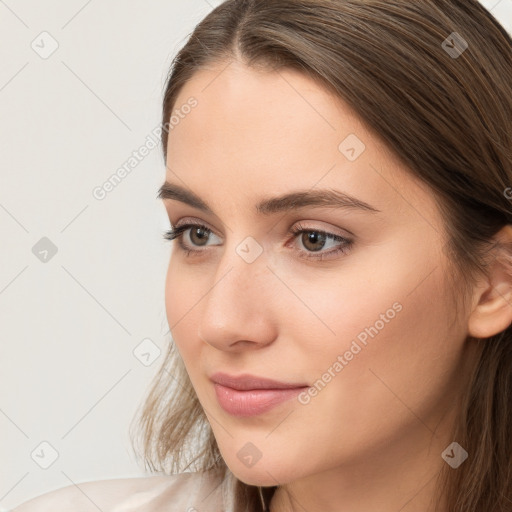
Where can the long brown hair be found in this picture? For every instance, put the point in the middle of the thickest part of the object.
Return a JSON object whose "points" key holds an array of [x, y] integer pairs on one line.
{"points": [[448, 117]]}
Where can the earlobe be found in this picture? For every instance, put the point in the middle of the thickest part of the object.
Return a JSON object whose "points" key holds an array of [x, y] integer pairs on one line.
{"points": [[492, 312]]}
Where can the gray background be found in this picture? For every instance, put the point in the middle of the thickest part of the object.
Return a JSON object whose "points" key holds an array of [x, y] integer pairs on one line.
{"points": [[71, 321]]}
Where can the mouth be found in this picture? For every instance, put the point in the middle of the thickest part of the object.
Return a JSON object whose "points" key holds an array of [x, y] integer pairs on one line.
{"points": [[250, 395]]}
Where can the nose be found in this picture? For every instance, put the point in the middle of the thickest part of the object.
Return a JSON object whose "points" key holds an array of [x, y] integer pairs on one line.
{"points": [[237, 312]]}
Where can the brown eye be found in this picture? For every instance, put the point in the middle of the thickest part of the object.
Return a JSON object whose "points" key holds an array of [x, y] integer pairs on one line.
{"points": [[198, 235], [313, 240]]}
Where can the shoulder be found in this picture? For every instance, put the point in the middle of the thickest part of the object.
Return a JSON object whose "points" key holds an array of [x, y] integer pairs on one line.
{"points": [[88, 496], [183, 491]]}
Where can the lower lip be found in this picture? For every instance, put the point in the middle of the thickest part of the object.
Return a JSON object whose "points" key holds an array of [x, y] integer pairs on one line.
{"points": [[254, 401]]}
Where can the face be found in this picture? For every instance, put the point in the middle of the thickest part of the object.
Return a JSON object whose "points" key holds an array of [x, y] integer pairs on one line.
{"points": [[350, 302]]}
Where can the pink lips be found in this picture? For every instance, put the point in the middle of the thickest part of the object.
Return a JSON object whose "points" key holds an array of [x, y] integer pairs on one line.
{"points": [[249, 395]]}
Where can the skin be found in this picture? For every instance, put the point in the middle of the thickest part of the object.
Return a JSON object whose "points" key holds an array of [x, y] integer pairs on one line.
{"points": [[372, 438]]}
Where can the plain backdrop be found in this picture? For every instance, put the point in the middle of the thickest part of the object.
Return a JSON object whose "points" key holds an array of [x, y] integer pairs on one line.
{"points": [[82, 313]]}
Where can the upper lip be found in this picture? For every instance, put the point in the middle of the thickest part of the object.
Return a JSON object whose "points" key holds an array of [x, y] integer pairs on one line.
{"points": [[247, 381]]}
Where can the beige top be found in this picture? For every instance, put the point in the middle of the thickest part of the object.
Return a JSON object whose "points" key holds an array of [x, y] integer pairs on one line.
{"points": [[184, 492]]}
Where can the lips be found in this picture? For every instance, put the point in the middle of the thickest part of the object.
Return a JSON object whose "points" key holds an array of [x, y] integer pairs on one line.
{"points": [[247, 382], [249, 395]]}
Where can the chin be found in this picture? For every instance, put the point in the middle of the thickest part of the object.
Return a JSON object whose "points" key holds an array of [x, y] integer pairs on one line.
{"points": [[260, 474], [257, 479]]}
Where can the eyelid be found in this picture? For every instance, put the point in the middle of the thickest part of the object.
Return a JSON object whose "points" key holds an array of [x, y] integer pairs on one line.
{"points": [[333, 231], [345, 233], [193, 221]]}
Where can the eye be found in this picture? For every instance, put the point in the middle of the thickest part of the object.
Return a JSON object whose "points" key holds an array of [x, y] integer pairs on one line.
{"points": [[313, 240], [198, 233]]}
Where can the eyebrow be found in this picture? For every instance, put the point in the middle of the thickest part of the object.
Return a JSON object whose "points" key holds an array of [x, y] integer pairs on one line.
{"points": [[299, 199]]}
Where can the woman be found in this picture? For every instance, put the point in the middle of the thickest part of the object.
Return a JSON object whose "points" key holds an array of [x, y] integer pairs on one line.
{"points": [[338, 180]]}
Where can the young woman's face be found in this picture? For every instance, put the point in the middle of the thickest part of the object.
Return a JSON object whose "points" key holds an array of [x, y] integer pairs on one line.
{"points": [[366, 325]]}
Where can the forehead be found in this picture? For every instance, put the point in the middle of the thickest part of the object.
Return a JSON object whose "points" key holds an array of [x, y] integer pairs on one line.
{"points": [[257, 132]]}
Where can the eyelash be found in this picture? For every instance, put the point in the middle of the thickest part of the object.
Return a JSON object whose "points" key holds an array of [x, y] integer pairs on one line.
{"points": [[177, 233]]}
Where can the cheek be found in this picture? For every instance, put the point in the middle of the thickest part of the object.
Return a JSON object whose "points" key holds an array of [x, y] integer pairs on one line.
{"points": [[398, 362], [388, 313], [180, 297]]}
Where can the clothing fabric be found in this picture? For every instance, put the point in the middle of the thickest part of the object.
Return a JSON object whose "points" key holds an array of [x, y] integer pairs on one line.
{"points": [[183, 492]]}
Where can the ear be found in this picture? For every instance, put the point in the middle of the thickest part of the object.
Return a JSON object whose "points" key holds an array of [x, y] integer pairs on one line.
{"points": [[492, 312]]}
